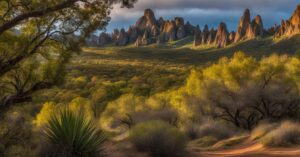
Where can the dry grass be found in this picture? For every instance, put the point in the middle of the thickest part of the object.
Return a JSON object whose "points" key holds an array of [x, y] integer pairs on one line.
{"points": [[285, 135], [261, 130], [230, 142]]}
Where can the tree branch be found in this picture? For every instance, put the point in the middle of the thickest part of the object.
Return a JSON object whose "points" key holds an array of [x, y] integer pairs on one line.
{"points": [[37, 13]]}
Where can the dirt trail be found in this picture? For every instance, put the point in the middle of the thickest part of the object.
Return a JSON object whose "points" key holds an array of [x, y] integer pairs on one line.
{"points": [[247, 148], [252, 150]]}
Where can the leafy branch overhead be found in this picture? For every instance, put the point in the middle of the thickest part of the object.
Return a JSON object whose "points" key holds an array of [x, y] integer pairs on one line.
{"points": [[45, 32]]}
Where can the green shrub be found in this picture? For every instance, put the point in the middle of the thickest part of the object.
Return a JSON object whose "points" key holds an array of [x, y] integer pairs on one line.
{"points": [[72, 135], [286, 134], [158, 139]]}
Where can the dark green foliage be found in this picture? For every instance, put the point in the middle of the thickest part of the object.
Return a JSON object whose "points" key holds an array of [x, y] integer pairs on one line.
{"points": [[158, 139], [73, 135]]}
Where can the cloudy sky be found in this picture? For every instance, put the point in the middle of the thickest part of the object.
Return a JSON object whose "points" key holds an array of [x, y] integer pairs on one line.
{"points": [[201, 12]]}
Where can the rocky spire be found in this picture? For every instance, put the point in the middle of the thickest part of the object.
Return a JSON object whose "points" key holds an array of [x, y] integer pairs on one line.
{"points": [[290, 27], [244, 23], [197, 37], [169, 31], [231, 37], [180, 29], [104, 39], [132, 33], [146, 21], [211, 36], [221, 36], [122, 38], [204, 35]]}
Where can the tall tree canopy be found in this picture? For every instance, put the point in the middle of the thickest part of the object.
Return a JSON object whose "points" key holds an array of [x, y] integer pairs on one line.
{"points": [[37, 38]]}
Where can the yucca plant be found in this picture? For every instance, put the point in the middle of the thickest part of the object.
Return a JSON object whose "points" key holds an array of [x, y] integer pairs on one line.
{"points": [[72, 135]]}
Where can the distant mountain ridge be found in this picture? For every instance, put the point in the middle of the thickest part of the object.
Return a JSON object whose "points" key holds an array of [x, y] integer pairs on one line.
{"points": [[149, 30]]}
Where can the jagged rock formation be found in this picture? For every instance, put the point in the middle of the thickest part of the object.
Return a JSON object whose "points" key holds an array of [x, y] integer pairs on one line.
{"points": [[115, 34], [258, 26], [168, 31], [243, 26], [197, 37], [148, 30], [290, 27], [231, 36], [222, 36], [180, 30], [147, 21], [204, 35], [272, 30], [122, 38], [104, 39], [143, 40], [211, 36], [189, 29], [248, 29], [133, 33]]}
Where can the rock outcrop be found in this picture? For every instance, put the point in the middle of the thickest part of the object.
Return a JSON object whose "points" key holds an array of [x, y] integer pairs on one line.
{"points": [[222, 36], [148, 30], [143, 40], [258, 26], [231, 36], [155, 31], [104, 39], [133, 33], [248, 29], [243, 26], [211, 36], [197, 37], [204, 35], [290, 27], [147, 21], [189, 29], [169, 31], [122, 38], [272, 30]]}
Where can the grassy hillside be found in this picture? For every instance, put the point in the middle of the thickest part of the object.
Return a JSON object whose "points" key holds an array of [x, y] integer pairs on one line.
{"points": [[181, 52], [157, 68]]}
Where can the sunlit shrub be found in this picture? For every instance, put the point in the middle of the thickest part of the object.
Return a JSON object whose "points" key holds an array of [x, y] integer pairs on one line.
{"points": [[81, 105], [158, 139], [46, 112], [241, 90], [78, 105], [116, 110]]}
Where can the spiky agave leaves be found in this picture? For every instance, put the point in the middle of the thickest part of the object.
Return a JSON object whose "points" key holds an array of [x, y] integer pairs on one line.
{"points": [[74, 135]]}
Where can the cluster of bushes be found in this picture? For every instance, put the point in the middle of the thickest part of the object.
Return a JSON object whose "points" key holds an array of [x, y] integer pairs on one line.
{"points": [[242, 90], [238, 92], [159, 139]]}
